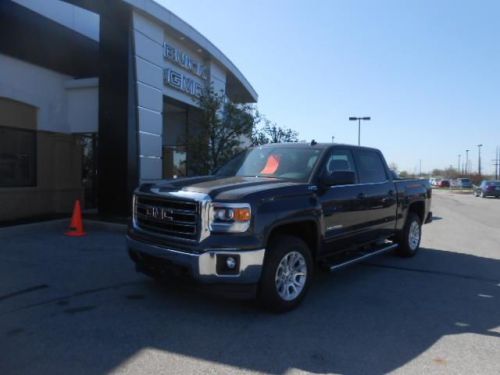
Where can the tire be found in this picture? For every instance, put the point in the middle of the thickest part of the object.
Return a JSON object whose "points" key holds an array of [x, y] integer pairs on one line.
{"points": [[273, 294], [476, 194], [410, 236]]}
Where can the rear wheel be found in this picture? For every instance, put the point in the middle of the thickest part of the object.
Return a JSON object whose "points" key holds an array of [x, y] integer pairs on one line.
{"points": [[286, 275], [410, 236]]}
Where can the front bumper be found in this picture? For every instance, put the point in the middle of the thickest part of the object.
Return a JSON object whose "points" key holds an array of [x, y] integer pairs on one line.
{"points": [[205, 267]]}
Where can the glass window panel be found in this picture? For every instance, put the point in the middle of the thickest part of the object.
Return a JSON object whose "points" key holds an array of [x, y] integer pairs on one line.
{"points": [[17, 157]]}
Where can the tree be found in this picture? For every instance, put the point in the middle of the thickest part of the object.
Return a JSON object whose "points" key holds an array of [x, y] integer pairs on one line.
{"points": [[393, 166], [272, 133], [449, 172], [405, 174], [223, 130]]}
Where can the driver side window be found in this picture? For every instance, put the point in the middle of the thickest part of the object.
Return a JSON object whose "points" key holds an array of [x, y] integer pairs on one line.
{"points": [[339, 161]]}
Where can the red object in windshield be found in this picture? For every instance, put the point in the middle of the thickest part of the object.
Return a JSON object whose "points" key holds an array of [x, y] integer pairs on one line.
{"points": [[272, 164]]}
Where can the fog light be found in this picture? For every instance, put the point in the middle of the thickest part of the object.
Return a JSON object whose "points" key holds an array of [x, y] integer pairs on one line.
{"points": [[228, 264], [231, 263]]}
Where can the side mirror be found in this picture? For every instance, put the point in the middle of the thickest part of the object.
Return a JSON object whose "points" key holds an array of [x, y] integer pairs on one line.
{"points": [[339, 178]]}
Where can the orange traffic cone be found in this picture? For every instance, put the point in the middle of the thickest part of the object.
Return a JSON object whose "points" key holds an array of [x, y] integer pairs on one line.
{"points": [[76, 226]]}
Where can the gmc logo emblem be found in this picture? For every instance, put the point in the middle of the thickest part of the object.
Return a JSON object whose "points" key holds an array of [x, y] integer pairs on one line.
{"points": [[158, 213]]}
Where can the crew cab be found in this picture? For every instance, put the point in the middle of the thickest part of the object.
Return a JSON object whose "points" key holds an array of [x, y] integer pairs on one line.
{"points": [[264, 222]]}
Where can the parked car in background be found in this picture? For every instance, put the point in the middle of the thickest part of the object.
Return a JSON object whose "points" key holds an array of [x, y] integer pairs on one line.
{"points": [[461, 183], [434, 181], [444, 184], [488, 188]]}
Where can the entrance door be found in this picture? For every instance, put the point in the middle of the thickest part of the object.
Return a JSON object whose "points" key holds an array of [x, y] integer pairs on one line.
{"points": [[88, 143], [175, 125]]}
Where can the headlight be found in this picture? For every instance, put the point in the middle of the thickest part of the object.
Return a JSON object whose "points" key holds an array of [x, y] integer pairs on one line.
{"points": [[230, 217]]}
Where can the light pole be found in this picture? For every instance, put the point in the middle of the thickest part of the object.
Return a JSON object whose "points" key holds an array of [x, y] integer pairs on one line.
{"points": [[479, 159], [458, 169], [359, 119], [466, 162], [333, 137]]}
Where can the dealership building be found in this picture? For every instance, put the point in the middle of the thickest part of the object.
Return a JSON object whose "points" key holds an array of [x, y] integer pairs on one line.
{"points": [[96, 97]]}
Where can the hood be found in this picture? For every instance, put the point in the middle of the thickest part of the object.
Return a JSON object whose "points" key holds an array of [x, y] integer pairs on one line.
{"points": [[227, 188]]}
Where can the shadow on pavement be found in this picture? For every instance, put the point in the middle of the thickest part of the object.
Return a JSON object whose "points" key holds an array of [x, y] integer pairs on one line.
{"points": [[371, 318]]}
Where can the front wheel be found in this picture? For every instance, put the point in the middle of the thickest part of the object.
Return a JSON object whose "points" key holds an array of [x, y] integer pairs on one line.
{"points": [[410, 236], [286, 275]]}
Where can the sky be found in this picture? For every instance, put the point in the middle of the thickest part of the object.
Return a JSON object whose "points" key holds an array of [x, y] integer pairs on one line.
{"points": [[427, 72]]}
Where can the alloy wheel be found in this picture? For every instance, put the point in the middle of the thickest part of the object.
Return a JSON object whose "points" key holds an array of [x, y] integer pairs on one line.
{"points": [[414, 235], [291, 276]]}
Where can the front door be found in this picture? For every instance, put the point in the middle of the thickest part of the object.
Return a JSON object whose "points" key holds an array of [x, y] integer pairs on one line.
{"points": [[342, 207]]}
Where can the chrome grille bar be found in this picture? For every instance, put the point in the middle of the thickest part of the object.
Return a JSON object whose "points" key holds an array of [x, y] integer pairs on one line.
{"points": [[171, 217]]}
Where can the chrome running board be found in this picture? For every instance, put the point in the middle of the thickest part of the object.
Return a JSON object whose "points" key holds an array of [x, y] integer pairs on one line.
{"points": [[364, 256]]}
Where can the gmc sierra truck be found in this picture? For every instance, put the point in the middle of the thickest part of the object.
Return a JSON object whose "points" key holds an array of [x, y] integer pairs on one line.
{"points": [[262, 224]]}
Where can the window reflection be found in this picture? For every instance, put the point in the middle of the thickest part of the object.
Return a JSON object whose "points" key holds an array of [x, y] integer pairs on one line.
{"points": [[174, 161]]}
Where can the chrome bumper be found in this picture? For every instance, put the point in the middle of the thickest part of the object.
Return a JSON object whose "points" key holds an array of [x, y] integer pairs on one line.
{"points": [[203, 267]]}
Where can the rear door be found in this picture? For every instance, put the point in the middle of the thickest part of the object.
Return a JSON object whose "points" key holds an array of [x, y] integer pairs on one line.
{"points": [[378, 194]]}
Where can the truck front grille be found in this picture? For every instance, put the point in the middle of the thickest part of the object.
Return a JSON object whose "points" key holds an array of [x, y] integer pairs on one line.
{"points": [[171, 217]]}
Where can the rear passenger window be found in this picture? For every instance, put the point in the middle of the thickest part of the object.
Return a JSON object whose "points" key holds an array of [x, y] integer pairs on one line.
{"points": [[370, 166]]}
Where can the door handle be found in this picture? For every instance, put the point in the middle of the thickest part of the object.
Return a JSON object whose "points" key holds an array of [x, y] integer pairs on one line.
{"points": [[361, 196], [389, 197]]}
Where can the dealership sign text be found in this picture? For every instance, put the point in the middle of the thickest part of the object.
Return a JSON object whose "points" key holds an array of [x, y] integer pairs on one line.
{"points": [[182, 82], [185, 61]]}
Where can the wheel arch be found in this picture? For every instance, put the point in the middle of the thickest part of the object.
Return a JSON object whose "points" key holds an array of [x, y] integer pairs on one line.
{"points": [[419, 209], [307, 229]]}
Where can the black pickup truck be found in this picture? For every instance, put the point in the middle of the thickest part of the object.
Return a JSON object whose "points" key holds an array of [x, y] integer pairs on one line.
{"points": [[266, 220]]}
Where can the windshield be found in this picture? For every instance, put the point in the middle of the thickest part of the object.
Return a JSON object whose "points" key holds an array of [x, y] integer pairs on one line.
{"points": [[289, 163]]}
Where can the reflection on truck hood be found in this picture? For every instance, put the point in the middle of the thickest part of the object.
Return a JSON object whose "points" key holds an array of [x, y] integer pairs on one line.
{"points": [[229, 188]]}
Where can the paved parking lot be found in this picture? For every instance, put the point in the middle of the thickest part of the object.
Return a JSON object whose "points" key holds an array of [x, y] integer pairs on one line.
{"points": [[75, 305]]}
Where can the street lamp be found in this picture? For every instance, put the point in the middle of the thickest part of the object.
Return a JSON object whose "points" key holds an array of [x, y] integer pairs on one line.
{"points": [[359, 119], [333, 137], [479, 159], [466, 162]]}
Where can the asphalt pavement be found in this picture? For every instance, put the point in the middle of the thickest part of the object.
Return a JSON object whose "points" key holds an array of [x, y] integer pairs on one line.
{"points": [[76, 306]]}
